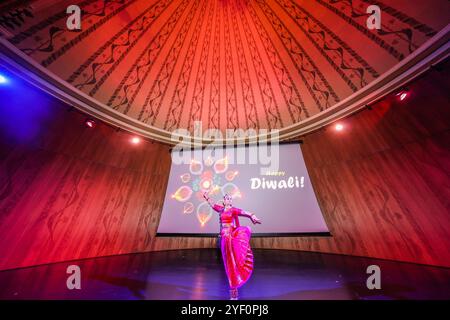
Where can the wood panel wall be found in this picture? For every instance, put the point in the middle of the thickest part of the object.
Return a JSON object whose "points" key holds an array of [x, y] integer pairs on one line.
{"points": [[383, 183], [68, 192]]}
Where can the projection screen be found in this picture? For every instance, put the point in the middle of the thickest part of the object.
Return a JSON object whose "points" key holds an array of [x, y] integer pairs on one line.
{"points": [[280, 194]]}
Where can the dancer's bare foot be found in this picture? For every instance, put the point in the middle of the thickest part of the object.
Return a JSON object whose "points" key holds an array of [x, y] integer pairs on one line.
{"points": [[234, 295]]}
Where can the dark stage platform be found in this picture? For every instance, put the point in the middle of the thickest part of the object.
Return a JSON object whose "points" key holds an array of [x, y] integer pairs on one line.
{"points": [[199, 274]]}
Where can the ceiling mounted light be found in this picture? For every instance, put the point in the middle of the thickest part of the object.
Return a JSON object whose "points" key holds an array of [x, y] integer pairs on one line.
{"points": [[135, 140], [90, 123], [339, 127]]}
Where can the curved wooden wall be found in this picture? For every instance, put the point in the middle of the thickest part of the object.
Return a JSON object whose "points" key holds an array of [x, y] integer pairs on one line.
{"points": [[384, 182], [68, 192]]}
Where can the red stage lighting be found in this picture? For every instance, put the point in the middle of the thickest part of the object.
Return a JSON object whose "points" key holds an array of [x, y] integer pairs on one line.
{"points": [[402, 94], [135, 140], [338, 127], [90, 123]]}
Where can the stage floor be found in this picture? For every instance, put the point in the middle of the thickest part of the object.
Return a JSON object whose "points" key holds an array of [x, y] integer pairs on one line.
{"points": [[199, 274]]}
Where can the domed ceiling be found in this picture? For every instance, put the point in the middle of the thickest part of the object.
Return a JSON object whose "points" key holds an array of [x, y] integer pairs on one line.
{"points": [[229, 63]]}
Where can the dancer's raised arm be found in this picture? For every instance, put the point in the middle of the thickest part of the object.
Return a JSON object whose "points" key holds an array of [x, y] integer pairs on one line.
{"points": [[208, 199]]}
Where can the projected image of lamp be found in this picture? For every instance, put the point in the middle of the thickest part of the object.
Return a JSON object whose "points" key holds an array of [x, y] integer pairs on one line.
{"points": [[230, 175], [232, 190], [285, 202], [182, 194], [185, 178], [204, 213], [221, 165], [195, 167], [188, 208], [206, 184]]}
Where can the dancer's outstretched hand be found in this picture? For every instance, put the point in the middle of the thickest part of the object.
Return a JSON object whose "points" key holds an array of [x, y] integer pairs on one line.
{"points": [[255, 220]]}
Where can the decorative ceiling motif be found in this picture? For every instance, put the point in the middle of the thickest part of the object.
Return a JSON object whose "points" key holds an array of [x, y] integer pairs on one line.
{"points": [[228, 63]]}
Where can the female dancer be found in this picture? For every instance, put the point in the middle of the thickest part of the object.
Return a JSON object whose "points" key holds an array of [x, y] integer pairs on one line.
{"points": [[235, 243]]}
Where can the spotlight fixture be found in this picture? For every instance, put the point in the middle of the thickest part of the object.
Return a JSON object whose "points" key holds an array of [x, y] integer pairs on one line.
{"points": [[3, 79], [90, 123], [338, 127], [135, 140], [402, 94]]}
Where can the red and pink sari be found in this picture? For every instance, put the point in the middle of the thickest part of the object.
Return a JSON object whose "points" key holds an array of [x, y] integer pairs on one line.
{"points": [[235, 245]]}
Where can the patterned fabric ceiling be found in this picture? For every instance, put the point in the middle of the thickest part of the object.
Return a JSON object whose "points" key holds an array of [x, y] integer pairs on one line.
{"points": [[228, 63]]}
